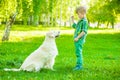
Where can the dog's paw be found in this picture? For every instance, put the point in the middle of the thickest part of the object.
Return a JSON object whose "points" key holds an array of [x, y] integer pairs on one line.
{"points": [[53, 69]]}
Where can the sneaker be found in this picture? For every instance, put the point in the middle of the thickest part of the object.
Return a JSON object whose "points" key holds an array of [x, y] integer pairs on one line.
{"points": [[78, 68]]}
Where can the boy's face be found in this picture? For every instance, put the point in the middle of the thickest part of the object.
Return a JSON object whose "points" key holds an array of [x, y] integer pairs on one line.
{"points": [[80, 15]]}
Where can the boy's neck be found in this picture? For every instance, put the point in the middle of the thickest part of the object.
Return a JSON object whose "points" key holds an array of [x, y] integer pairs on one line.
{"points": [[84, 16]]}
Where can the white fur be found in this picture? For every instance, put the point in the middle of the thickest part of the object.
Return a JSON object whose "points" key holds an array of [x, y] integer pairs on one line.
{"points": [[43, 57]]}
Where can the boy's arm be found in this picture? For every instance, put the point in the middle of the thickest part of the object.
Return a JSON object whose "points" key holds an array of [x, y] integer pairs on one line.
{"points": [[84, 31], [79, 36], [73, 23]]}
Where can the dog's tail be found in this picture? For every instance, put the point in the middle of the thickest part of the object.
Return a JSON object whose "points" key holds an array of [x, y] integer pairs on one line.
{"points": [[6, 69]]}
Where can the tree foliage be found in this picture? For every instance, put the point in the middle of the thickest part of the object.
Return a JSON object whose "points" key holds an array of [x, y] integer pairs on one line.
{"points": [[53, 12], [104, 11]]}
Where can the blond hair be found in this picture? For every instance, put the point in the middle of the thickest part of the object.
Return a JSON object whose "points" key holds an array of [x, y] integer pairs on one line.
{"points": [[81, 9]]}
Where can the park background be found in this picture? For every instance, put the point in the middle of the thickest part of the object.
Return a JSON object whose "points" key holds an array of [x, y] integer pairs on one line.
{"points": [[23, 24]]}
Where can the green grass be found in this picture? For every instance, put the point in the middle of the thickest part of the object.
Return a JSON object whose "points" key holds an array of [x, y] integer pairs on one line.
{"points": [[101, 55], [32, 28]]}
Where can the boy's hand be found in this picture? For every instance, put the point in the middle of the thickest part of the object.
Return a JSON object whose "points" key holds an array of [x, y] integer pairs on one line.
{"points": [[79, 36], [76, 39], [72, 17]]}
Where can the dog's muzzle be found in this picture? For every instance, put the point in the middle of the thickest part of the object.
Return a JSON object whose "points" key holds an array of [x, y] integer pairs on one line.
{"points": [[58, 34]]}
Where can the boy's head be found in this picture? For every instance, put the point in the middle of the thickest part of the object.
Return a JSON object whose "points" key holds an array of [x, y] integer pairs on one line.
{"points": [[81, 11]]}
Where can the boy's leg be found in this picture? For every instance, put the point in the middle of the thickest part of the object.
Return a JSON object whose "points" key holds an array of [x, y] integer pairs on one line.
{"points": [[78, 51]]}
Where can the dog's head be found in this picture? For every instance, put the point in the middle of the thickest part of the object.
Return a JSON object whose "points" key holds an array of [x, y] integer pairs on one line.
{"points": [[53, 34]]}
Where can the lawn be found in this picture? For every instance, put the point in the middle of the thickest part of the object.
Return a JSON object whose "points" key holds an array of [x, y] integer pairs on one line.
{"points": [[101, 55]]}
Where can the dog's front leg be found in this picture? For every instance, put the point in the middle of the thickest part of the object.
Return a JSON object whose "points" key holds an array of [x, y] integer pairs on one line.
{"points": [[51, 64]]}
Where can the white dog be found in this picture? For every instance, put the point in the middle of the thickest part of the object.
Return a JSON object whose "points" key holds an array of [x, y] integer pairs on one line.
{"points": [[43, 57]]}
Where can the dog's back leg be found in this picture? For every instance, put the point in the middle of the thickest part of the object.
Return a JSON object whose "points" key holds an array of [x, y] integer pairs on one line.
{"points": [[29, 68], [38, 68]]}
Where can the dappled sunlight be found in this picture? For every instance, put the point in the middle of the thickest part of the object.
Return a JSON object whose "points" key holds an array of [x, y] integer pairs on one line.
{"points": [[24, 24], [16, 36], [106, 31], [100, 51]]}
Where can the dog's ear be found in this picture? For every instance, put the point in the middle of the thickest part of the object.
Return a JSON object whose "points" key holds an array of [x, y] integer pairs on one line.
{"points": [[50, 34]]}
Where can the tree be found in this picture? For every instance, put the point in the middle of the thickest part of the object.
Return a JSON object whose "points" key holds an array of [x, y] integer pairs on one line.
{"points": [[13, 13], [36, 9], [8, 27], [54, 11], [103, 12], [25, 10]]}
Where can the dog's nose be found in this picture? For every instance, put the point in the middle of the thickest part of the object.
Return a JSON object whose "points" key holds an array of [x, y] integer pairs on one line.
{"points": [[59, 32]]}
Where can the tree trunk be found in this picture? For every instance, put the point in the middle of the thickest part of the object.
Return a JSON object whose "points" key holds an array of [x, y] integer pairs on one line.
{"points": [[98, 24], [25, 20], [8, 27], [61, 14], [29, 20], [35, 20], [108, 25], [112, 23]]}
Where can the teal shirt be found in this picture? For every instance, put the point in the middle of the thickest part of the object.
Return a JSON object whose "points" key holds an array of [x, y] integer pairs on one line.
{"points": [[82, 25]]}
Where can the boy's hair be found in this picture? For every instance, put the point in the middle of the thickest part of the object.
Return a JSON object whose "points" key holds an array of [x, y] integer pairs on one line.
{"points": [[81, 9]]}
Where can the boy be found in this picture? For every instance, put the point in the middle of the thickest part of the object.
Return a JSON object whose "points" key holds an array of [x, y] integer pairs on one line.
{"points": [[79, 35]]}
